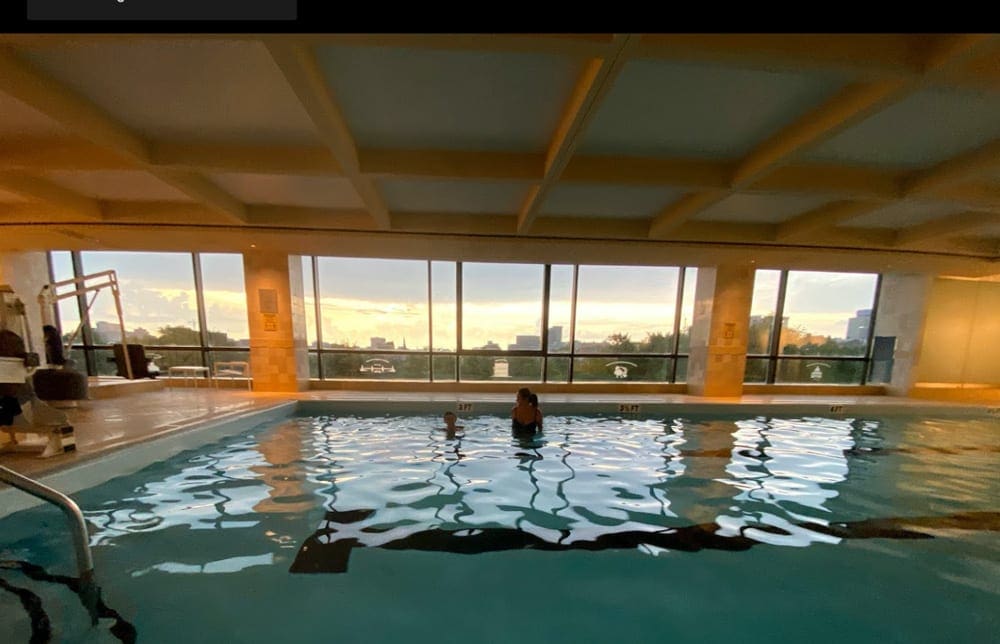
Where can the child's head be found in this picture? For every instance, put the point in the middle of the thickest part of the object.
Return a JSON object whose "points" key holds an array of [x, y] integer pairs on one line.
{"points": [[450, 418], [524, 394]]}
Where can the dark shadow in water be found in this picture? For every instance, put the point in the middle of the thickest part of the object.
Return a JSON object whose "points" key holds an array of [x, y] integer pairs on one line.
{"points": [[123, 630], [323, 552]]}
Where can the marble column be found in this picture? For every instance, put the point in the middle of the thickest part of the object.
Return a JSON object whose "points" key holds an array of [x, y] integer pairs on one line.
{"points": [[276, 307], [719, 331]]}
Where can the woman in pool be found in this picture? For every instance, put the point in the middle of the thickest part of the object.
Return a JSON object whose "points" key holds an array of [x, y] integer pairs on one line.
{"points": [[526, 418]]}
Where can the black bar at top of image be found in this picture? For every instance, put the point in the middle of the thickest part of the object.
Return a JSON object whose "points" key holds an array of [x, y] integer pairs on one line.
{"points": [[229, 10]]}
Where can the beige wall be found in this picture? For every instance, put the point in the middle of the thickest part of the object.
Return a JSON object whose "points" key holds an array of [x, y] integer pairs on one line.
{"points": [[961, 340], [901, 313], [26, 273]]}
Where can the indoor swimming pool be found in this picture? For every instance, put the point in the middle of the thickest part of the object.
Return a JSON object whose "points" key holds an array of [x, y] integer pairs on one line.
{"points": [[739, 527]]}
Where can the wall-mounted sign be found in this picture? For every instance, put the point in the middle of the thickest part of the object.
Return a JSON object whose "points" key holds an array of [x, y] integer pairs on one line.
{"points": [[268, 300], [619, 368], [270, 322]]}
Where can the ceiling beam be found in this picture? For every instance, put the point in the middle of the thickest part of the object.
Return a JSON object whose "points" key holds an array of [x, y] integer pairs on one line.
{"points": [[81, 117], [591, 88], [52, 194], [710, 234], [979, 161], [304, 76], [303, 160], [577, 45], [42, 154], [861, 56], [300, 217], [950, 226], [850, 182], [980, 195], [854, 182], [683, 209], [825, 216], [850, 105], [452, 164]]}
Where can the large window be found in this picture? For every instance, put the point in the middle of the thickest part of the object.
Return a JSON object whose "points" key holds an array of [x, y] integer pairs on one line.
{"points": [[487, 322], [823, 336], [185, 308]]}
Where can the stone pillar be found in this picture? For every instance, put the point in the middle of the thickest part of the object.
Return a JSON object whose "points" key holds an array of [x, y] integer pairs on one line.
{"points": [[27, 273], [901, 314], [719, 331], [276, 307]]}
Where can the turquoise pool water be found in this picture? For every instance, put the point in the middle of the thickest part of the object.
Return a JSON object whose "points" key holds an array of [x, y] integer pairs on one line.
{"points": [[380, 529]]}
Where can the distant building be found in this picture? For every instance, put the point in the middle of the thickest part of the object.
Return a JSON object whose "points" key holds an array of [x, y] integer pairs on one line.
{"points": [[490, 344], [857, 327], [381, 343], [768, 320], [526, 343], [555, 337], [108, 333]]}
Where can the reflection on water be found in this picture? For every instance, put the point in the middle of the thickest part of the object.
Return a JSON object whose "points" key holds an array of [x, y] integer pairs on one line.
{"points": [[584, 481], [209, 536]]}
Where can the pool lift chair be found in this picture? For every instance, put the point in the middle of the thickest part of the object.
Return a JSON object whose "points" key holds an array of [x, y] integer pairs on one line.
{"points": [[21, 411]]}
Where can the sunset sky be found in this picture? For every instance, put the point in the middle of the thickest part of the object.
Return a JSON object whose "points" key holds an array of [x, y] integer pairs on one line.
{"points": [[388, 298]]}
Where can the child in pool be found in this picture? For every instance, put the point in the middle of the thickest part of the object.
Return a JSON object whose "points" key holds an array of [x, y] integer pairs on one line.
{"points": [[450, 427]]}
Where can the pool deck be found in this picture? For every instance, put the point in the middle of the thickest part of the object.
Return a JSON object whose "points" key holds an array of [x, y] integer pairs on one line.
{"points": [[104, 425]]}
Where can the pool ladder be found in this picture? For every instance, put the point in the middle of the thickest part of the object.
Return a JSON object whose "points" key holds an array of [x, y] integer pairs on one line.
{"points": [[89, 592]]}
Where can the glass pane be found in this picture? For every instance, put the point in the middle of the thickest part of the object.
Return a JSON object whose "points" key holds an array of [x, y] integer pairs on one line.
{"points": [[225, 298], [76, 356], [62, 265], [502, 307], [105, 359], [558, 370], [621, 369], [313, 365], [375, 366], [158, 299], [373, 303], [68, 309], [682, 368], [820, 372], [226, 356], [762, 308], [756, 370], [444, 368], [625, 309], [309, 295], [687, 311], [443, 307], [494, 368], [166, 358], [827, 314], [560, 309]]}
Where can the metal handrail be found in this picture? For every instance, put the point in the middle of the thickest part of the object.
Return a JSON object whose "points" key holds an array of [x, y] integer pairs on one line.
{"points": [[78, 527]]}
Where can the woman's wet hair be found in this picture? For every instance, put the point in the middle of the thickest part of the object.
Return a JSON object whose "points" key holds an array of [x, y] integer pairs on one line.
{"points": [[524, 392]]}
